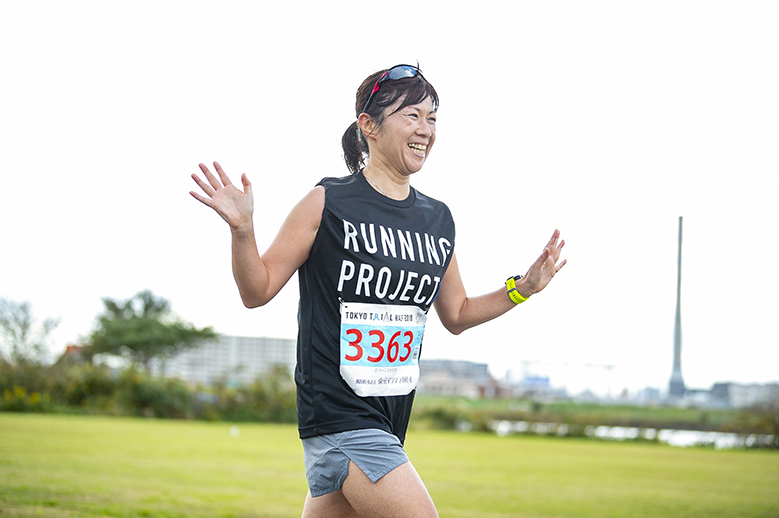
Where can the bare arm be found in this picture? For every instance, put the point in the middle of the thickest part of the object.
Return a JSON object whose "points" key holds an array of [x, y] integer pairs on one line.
{"points": [[459, 312], [260, 278]]}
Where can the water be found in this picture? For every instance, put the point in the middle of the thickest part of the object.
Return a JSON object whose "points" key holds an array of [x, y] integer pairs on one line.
{"points": [[680, 438]]}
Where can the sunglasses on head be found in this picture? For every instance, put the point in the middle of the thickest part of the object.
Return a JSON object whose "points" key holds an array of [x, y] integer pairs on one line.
{"points": [[394, 73]]}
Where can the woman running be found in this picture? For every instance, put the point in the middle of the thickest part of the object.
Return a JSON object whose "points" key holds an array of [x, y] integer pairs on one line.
{"points": [[373, 254]]}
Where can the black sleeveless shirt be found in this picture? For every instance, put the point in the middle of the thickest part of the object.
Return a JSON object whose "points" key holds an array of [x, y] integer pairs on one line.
{"points": [[374, 270]]}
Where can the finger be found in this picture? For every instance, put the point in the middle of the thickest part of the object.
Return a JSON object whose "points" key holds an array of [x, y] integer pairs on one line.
{"points": [[210, 177], [247, 185], [201, 199], [560, 266], [550, 262], [203, 185], [544, 256], [222, 174], [559, 249], [553, 240]]}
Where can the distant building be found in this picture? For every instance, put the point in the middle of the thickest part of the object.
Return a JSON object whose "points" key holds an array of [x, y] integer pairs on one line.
{"points": [[235, 359], [697, 398], [743, 395], [648, 395], [454, 378], [539, 388], [535, 382], [73, 354]]}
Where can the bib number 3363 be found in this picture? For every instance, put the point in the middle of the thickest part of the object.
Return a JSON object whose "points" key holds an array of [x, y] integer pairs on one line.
{"points": [[380, 348]]}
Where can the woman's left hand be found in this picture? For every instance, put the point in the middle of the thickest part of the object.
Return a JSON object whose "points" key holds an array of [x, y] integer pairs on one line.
{"points": [[545, 267]]}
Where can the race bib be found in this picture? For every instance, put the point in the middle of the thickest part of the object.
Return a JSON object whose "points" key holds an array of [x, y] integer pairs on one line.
{"points": [[380, 348]]}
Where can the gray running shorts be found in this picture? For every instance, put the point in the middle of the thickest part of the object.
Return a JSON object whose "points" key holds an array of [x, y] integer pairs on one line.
{"points": [[327, 457]]}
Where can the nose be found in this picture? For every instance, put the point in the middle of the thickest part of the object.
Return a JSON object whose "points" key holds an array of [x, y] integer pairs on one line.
{"points": [[424, 128]]}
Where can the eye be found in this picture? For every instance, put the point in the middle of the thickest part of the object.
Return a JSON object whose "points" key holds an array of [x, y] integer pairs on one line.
{"points": [[431, 120], [413, 116]]}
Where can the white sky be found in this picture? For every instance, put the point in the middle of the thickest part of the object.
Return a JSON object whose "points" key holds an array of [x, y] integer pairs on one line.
{"points": [[608, 120]]}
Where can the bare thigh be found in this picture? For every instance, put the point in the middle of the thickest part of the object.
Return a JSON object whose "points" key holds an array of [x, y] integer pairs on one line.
{"points": [[399, 493], [331, 505]]}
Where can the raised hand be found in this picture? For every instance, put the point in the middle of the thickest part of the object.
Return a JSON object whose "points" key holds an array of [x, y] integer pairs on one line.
{"points": [[232, 204], [546, 266]]}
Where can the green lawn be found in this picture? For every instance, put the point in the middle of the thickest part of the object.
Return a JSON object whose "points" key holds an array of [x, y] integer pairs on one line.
{"points": [[69, 466]]}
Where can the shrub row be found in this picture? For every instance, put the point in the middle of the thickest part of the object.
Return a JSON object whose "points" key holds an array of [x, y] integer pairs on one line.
{"points": [[87, 388], [459, 413], [91, 389]]}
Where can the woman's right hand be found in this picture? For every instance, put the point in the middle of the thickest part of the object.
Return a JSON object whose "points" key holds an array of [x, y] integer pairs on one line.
{"points": [[232, 204]]}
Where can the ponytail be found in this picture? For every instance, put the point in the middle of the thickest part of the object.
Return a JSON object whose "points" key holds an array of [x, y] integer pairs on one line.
{"points": [[353, 150]]}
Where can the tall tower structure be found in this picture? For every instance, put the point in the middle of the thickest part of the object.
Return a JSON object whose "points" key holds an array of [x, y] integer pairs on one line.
{"points": [[676, 387]]}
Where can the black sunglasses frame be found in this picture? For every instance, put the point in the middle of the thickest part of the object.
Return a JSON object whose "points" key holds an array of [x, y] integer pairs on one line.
{"points": [[394, 73]]}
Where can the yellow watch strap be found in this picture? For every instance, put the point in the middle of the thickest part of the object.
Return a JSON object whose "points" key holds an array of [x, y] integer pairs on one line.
{"points": [[514, 295]]}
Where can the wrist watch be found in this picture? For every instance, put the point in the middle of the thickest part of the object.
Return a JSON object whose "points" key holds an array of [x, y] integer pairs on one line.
{"points": [[511, 286]]}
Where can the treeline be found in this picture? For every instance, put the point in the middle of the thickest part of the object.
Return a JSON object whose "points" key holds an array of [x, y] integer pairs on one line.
{"points": [[452, 413], [86, 388], [136, 331], [70, 387], [143, 328]]}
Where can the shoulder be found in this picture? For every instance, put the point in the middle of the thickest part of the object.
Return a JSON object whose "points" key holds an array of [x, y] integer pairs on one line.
{"points": [[426, 201], [338, 181], [343, 190], [308, 211]]}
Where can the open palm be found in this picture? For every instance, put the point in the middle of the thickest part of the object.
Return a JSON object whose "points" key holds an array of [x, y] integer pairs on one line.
{"points": [[546, 266], [232, 204]]}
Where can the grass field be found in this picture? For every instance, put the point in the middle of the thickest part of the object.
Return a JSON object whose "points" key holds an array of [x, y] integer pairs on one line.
{"points": [[69, 466]]}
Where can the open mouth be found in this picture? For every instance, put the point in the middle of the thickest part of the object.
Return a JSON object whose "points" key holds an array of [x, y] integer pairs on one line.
{"points": [[419, 149]]}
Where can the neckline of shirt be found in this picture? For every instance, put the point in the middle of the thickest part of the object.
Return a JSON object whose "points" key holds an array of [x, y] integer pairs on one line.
{"points": [[408, 202]]}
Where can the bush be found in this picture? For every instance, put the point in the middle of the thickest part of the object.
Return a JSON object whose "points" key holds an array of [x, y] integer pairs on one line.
{"points": [[143, 395], [87, 388], [32, 377], [19, 400], [268, 399]]}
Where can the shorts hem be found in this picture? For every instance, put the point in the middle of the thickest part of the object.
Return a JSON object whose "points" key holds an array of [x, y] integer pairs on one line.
{"points": [[339, 463], [336, 487]]}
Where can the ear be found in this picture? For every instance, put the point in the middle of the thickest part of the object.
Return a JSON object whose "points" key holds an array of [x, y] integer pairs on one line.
{"points": [[366, 125]]}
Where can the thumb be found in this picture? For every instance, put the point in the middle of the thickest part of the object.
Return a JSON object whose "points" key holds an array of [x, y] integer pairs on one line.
{"points": [[544, 255], [247, 185]]}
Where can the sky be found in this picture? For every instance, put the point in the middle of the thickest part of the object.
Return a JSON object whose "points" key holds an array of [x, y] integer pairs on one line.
{"points": [[605, 119]]}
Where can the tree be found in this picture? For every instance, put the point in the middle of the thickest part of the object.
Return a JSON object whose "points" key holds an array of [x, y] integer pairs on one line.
{"points": [[23, 339], [761, 417], [142, 328]]}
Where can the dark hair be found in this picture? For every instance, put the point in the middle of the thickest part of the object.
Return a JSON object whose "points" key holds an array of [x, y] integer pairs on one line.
{"points": [[414, 90]]}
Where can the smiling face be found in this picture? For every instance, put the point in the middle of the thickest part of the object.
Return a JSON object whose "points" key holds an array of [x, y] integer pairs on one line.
{"points": [[403, 140]]}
